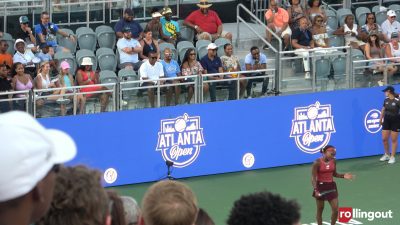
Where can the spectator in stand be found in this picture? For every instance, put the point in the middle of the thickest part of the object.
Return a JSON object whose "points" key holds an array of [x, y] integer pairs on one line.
{"points": [[230, 63], [32, 162], [278, 21], [25, 56], [116, 207], [393, 49], [155, 25], [47, 31], [315, 9], [295, 12], [264, 208], [128, 21], [171, 69], [255, 60], [86, 76], [150, 71], [170, 28], [5, 57], [129, 49], [21, 82], [370, 26], [206, 23], [212, 64], [391, 25], [169, 203], [132, 210], [79, 198], [373, 50], [301, 40], [190, 66], [320, 36], [26, 33], [149, 45], [203, 218], [5, 86], [350, 31], [44, 56]]}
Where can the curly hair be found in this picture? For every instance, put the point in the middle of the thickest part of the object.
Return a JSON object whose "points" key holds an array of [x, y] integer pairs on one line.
{"points": [[79, 198], [264, 208]]}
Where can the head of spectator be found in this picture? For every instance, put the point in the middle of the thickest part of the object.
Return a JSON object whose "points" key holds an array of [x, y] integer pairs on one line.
{"points": [[273, 5], [116, 208], [19, 69], [126, 31], [3, 70], [132, 210], [391, 15], [167, 55], [373, 38], [169, 203], [86, 64], [394, 38], [370, 19], [128, 15], [45, 48], [204, 5], [153, 57], [318, 21], [45, 18], [79, 198], [24, 22], [3, 46], [228, 49], [314, 3], [19, 46], [190, 55], [203, 218], [156, 16], [264, 208], [212, 50], [303, 23], [148, 35], [44, 68], [294, 2], [167, 13], [255, 53], [64, 68], [26, 189], [349, 20]]}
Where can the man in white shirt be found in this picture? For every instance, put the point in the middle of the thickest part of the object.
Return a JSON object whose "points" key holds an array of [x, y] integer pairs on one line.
{"points": [[390, 25], [150, 71], [129, 49]]}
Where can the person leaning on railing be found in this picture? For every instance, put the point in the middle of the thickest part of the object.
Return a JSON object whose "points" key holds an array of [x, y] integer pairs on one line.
{"points": [[393, 49], [5, 86], [255, 60], [21, 82]]}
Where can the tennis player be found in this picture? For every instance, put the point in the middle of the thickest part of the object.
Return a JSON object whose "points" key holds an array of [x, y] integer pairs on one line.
{"points": [[323, 171]]}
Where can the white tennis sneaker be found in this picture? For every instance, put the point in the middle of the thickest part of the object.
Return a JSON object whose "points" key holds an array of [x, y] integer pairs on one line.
{"points": [[392, 160], [385, 157]]}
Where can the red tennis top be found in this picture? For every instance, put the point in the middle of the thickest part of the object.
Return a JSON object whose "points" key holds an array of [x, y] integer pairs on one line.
{"points": [[325, 171]]}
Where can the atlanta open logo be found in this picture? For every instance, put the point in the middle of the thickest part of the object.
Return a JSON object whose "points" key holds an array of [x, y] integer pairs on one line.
{"points": [[371, 121], [312, 127], [180, 140]]}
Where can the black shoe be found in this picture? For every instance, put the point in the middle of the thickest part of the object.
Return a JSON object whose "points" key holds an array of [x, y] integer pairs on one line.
{"points": [[265, 47]]}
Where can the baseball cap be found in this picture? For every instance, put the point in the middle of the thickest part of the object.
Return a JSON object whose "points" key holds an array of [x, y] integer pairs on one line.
{"points": [[131, 209], [390, 13], [212, 46], [128, 12], [23, 19], [126, 29], [389, 88], [394, 35], [64, 65], [43, 45], [29, 153]]}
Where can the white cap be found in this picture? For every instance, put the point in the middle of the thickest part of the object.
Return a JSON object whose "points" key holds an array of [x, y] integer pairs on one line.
{"points": [[390, 13], [16, 42], [28, 152], [212, 46], [87, 61]]}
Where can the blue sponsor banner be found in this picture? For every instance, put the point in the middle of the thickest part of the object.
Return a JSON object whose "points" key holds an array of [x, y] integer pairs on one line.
{"points": [[132, 146]]}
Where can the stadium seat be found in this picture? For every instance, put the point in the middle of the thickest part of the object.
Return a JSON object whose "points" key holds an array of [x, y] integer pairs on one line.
{"points": [[106, 59], [357, 58], [322, 71], [376, 9], [332, 22], [394, 7], [66, 56], [86, 38], [202, 52], [86, 53], [10, 43], [336, 41], [105, 36], [66, 42], [361, 14], [7, 36], [355, 52], [220, 42], [143, 25], [202, 43], [182, 47], [165, 45], [187, 33], [329, 12], [398, 15], [380, 17], [128, 75], [108, 76], [339, 66], [341, 15]]}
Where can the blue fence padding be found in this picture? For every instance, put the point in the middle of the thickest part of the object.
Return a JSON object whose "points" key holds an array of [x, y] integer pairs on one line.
{"points": [[128, 140]]}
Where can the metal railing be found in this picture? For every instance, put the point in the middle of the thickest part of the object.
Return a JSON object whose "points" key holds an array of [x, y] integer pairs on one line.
{"points": [[277, 55], [15, 102]]}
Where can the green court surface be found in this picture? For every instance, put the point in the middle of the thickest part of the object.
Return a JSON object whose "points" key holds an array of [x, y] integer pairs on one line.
{"points": [[376, 188]]}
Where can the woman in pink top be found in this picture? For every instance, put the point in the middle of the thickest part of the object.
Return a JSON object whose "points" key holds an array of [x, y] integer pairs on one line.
{"points": [[323, 171], [21, 82]]}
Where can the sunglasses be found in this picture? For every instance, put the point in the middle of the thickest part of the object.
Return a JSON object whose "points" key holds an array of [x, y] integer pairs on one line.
{"points": [[393, 17], [192, 54], [319, 20], [153, 57], [371, 18]]}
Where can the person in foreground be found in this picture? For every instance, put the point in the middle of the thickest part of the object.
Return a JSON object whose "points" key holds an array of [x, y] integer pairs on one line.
{"points": [[323, 171]]}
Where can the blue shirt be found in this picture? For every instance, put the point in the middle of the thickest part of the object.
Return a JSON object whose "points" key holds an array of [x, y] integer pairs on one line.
{"points": [[136, 29], [250, 60], [170, 28], [44, 57], [211, 66], [171, 69], [50, 30]]}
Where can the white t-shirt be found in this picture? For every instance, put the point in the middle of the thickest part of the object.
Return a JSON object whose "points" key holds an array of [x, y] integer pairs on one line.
{"points": [[388, 28], [124, 57], [151, 72]]}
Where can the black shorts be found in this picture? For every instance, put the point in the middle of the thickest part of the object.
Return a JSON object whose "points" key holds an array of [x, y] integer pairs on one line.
{"points": [[391, 123]]}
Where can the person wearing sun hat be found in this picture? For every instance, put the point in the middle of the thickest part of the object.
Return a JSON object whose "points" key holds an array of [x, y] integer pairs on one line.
{"points": [[206, 23], [390, 25], [170, 28], [29, 166], [25, 56], [154, 24]]}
